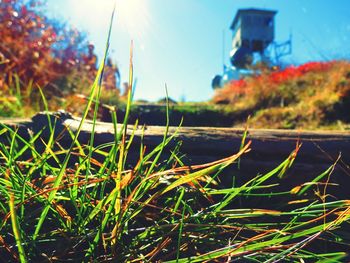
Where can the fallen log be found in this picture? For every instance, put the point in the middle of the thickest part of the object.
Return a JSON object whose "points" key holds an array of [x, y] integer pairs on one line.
{"points": [[317, 146], [319, 149]]}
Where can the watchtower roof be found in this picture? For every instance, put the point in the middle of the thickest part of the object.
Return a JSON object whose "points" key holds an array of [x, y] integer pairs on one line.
{"points": [[250, 11]]}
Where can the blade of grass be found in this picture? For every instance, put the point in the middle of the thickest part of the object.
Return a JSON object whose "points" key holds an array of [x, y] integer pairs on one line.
{"points": [[209, 170], [15, 223], [180, 233], [66, 160]]}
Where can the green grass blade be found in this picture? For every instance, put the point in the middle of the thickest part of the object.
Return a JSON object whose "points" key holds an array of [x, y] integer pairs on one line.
{"points": [[59, 177], [15, 223]]}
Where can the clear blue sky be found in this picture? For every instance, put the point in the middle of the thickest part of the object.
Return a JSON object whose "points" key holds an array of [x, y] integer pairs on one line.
{"points": [[179, 42]]}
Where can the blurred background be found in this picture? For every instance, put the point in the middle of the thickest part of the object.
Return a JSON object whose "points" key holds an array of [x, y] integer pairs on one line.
{"points": [[285, 64], [181, 42]]}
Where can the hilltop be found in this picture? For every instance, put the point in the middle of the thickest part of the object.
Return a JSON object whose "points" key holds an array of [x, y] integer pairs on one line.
{"points": [[310, 96]]}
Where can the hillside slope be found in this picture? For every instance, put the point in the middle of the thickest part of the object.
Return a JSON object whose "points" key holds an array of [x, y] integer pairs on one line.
{"points": [[310, 96]]}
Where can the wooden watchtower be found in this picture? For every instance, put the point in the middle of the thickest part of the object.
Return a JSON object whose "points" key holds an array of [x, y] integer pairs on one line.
{"points": [[253, 31]]}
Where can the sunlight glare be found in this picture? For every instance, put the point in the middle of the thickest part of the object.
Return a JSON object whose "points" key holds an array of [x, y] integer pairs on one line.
{"points": [[133, 16]]}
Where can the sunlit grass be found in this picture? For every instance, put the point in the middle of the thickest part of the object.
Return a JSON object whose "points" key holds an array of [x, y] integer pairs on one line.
{"points": [[104, 210]]}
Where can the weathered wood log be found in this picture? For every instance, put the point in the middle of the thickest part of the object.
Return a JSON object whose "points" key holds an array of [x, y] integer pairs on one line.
{"points": [[319, 149], [317, 146]]}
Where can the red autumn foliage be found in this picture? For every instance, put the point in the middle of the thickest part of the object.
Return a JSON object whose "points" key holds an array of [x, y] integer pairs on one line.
{"points": [[239, 85], [293, 72], [44, 51], [267, 82], [312, 95]]}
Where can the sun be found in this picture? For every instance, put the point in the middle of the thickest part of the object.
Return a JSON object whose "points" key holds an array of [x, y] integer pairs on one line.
{"points": [[133, 16]]}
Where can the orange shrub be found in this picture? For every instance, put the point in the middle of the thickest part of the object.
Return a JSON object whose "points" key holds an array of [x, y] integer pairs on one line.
{"points": [[45, 52]]}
